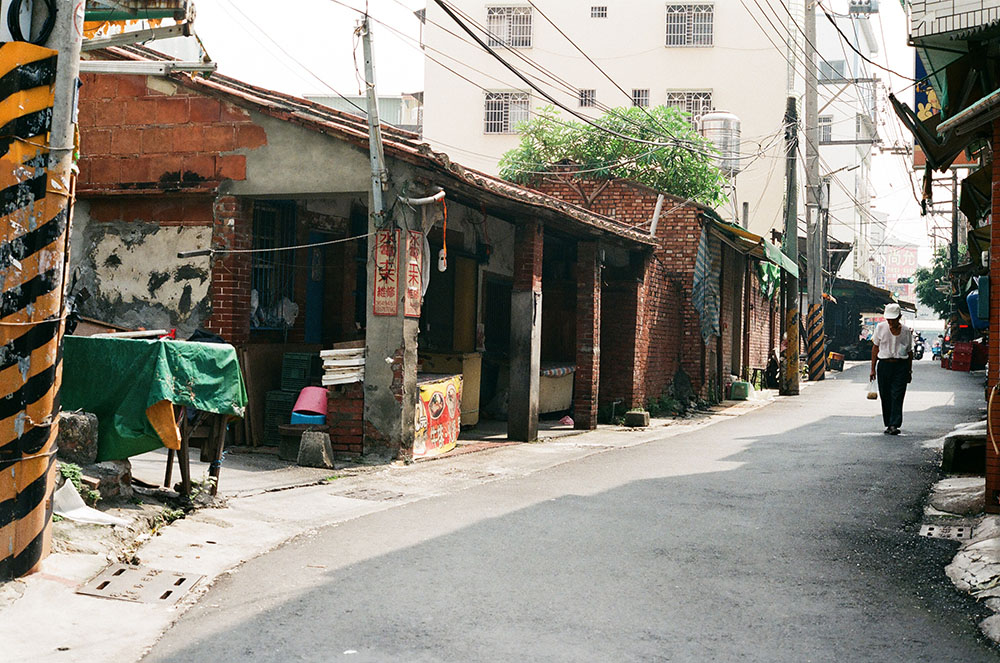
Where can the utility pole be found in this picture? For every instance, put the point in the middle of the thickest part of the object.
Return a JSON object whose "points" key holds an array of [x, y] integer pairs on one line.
{"points": [[38, 166], [789, 382], [815, 329], [953, 249], [375, 152]]}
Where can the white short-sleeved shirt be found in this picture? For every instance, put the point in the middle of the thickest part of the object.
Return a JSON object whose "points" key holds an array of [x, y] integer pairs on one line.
{"points": [[893, 347]]}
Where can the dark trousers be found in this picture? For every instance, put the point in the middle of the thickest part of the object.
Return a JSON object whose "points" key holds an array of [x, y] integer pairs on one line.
{"points": [[892, 379]]}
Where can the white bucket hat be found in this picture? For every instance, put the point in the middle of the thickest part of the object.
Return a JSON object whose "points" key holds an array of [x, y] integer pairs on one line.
{"points": [[892, 311]]}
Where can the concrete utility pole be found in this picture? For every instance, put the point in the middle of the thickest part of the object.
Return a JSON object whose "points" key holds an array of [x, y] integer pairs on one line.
{"points": [[789, 381], [375, 151], [391, 391], [815, 329], [36, 170], [953, 249]]}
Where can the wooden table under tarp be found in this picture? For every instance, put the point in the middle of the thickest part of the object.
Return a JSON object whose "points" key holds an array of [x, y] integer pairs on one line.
{"points": [[147, 394]]}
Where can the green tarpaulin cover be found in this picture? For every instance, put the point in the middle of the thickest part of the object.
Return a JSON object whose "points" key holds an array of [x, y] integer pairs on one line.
{"points": [[118, 379]]}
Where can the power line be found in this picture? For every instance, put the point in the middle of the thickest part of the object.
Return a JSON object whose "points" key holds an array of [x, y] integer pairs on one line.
{"points": [[858, 51], [548, 96]]}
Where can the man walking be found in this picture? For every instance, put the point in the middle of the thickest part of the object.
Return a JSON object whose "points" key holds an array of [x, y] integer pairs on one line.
{"points": [[892, 355]]}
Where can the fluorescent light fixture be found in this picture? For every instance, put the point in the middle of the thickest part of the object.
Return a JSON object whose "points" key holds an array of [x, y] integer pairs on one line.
{"points": [[145, 67], [137, 36]]}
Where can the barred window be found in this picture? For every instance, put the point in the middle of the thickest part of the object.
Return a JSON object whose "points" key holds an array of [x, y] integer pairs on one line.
{"points": [[504, 111], [588, 98], [690, 25], [825, 126], [509, 26], [694, 102], [599, 12], [640, 98], [272, 273]]}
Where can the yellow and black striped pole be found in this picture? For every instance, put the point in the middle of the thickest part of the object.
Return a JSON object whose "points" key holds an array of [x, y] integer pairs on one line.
{"points": [[816, 342], [34, 225]]}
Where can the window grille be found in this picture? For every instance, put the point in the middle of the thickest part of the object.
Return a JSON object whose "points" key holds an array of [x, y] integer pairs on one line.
{"points": [[599, 12], [503, 111], [825, 126], [640, 98], [588, 98], [272, 273], [509, 26], [690, 25], [695, 103]]}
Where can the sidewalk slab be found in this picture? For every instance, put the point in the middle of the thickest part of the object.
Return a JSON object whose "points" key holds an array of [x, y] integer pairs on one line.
{"points": [[261, 514]]}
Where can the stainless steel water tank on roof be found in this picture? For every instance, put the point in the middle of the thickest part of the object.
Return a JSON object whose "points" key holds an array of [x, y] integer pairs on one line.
{"points": [[723, 130]]}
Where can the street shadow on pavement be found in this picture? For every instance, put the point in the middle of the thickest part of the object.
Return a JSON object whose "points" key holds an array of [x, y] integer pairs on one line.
{"points": [[805, 549]]}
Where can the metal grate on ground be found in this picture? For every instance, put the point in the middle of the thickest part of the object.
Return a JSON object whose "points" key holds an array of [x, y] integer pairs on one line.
{"points": [[954, 532], [140, 584]]}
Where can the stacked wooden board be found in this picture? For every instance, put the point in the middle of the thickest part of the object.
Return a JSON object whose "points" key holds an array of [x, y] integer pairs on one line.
{"points": [[343, 366]]}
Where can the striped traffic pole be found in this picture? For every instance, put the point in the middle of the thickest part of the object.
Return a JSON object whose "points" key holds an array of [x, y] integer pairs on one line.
{"points": [[815, 343], [34, 221]]}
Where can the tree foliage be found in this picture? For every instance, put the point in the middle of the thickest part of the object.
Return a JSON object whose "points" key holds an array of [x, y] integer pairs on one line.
{"points": [[929, 279], [683, 167]]}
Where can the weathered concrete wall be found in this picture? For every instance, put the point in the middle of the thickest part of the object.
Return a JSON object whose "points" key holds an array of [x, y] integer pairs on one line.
{"points": [[132, 273], [296, 162]]}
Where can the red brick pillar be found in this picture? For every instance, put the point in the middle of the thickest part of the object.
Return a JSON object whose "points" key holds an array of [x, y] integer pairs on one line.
{"points": [[993, 377], [588, 335], [525, 333], [232, 228], [345, 417]]}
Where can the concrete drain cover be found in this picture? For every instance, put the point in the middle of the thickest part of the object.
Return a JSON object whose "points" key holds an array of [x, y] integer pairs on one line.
{"points": [[370, 494], [956, 532], [140, 585]]}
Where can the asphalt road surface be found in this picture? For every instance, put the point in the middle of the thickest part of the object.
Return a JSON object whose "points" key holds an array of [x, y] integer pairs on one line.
{"points": [[786, 534]]}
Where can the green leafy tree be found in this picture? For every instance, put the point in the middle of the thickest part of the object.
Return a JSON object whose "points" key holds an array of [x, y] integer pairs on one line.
{"points": [[570, 152], [931, 281]]}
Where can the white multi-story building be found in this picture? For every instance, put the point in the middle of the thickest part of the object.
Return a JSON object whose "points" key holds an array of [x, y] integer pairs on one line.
{"points": [[847, 132], [698, 55]]}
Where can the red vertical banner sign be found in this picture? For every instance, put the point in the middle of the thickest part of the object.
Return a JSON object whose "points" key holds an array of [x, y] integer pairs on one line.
{"points": [[414, 273], [386, 273]]}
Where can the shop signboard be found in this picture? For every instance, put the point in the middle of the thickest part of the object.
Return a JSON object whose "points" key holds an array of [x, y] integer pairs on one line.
{"points": [[927, 104], [438, 416], [386, 273], [414, 273]]}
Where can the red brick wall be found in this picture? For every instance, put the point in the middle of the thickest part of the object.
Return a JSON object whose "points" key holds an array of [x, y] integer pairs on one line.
{"points": [[588, 335], [172, 150], [345, 417], [528, 247], [230, 289], [619, 300], [761, 316], [992, 459], [662, 335], [654, 328], [135, 137]]}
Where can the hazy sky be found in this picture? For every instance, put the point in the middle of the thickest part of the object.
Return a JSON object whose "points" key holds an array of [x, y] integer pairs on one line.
{"points": [[317, 53]]}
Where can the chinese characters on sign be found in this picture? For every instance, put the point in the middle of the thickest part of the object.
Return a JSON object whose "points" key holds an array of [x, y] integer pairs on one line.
{"points": [[414, 271], [386, 273]]}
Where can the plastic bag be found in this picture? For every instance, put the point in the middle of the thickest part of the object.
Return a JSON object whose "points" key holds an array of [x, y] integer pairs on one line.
{"points": [[872, 391]]}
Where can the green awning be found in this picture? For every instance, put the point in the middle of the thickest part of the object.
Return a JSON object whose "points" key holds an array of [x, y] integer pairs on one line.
{"points": [[773, 253]]}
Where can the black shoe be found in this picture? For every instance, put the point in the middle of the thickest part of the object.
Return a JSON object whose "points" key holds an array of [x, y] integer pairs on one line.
{"points": [[893, 431], [887, 431]]}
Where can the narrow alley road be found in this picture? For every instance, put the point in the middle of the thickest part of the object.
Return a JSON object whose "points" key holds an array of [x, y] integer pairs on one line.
{"points": [[786, 534]]}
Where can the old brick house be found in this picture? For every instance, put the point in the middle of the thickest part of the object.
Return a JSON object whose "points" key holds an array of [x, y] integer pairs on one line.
{"points": [[652, 306], [183, 163]]}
